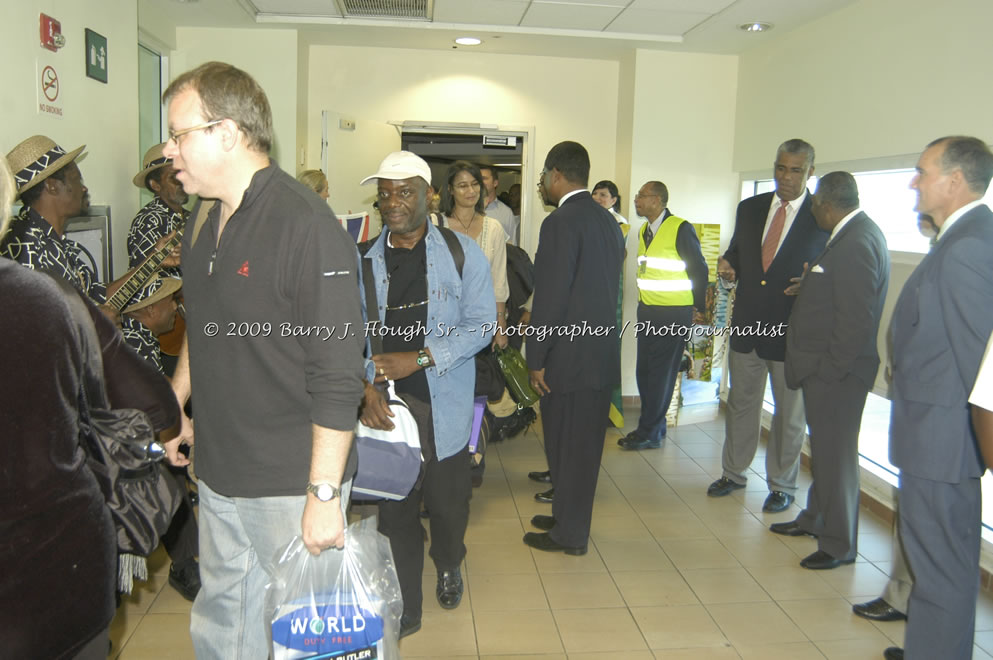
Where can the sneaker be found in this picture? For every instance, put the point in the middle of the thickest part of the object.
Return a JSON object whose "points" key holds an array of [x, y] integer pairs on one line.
{"points": [[184, 577]]}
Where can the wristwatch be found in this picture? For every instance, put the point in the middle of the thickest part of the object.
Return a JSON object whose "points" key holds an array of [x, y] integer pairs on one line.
{"points": [[323, 492], [423, 359]]}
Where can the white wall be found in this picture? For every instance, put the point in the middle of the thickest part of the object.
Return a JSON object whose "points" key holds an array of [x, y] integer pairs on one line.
{"points": [[102, 116], [554, 95], [682, 134], [269, 56]]}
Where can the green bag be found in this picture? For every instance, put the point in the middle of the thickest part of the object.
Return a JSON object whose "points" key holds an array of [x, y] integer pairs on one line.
{"points": [[515, 372]]}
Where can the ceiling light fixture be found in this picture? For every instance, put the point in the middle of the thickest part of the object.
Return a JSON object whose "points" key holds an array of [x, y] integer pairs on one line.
{"points": [[755, 27], [468, 41]]}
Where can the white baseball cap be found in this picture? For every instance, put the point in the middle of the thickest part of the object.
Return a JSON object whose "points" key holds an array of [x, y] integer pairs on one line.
{"points": [[401, 165]]}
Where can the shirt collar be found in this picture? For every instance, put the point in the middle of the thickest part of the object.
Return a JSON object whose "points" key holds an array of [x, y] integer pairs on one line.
{"points": [[844, 221], [950, 220], [570, 194], [791, 206]]}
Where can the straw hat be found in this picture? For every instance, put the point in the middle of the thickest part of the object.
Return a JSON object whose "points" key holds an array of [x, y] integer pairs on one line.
{"points": [[36, 159], [156, 290], [152, 161]]}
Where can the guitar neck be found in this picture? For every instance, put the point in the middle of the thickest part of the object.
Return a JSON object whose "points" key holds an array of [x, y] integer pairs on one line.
{"points": [[143, 274]]}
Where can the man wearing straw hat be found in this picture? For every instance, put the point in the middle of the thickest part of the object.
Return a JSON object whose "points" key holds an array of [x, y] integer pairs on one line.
{"points": [[51, 187], [152, 312], [161, 216]]}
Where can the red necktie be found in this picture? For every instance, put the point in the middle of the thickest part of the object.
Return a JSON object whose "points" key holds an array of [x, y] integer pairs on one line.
{"points": [[771, 241]]}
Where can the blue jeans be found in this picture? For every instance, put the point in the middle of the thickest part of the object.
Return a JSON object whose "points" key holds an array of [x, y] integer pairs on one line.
{"points": [[239, 541]]}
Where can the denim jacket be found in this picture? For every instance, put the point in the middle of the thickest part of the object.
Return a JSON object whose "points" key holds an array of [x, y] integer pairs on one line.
{"points": [[461, 321]]}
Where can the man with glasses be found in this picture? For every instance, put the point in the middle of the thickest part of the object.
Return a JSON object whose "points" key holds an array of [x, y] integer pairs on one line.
{"points": [[672, 281], [774, 236], [275, 408]]}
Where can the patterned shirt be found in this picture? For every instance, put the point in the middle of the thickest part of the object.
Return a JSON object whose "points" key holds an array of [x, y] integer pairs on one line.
{"points": [[141, 339], [33, 242], [153, 222]]}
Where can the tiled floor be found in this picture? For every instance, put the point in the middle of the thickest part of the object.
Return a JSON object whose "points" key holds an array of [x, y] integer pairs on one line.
{"points": [[670, 573]]}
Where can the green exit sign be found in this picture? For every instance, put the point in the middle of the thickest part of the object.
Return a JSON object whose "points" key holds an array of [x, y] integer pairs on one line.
{"points": [[96, 56]]}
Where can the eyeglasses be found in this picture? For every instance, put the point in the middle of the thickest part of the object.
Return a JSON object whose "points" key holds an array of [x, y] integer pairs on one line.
{"points": [[175, 135], [640, 196]]}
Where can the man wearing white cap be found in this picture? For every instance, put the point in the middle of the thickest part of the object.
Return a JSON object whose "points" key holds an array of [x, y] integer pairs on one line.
{"points": [[420, 283], [276, 405], [161, 216]]}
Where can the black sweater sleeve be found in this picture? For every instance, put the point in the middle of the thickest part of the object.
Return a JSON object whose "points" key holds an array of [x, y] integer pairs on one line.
{"points": [[688, 247]]}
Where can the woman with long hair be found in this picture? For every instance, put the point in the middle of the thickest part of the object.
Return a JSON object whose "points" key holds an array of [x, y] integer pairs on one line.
{"points": [[462, 205], [606, 195]]}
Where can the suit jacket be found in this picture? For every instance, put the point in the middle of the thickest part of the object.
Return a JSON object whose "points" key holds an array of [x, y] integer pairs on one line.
{"points": [[941, 323], [835, 319], [577, 273], [760, 298]]}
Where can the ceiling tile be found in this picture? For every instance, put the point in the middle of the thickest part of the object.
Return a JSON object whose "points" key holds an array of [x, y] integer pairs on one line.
{"points": [[297, 7], [568, 16], [601, 3], [689, 6], [647, 21], [480, 12]]}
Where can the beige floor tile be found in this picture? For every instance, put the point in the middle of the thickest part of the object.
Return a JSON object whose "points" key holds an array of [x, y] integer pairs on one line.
{"points": [[443, 634], [598, 630], [503, 633], [619, 528], [876, 547], [984, 611], [702, 449], [678, 627], [755, 624], [566, 591], [157, 632], [674, 467], [698, 553], [828, 619], [482, 509], [736, 525], [628, 465], [856, 579], [792, 582], [496, 558], [654, 588], [701, 653], [144, 594], [507, 592], [627, 655], [121, 628], [855, 649], [159, 562], [980, 654], [792, 651], [724, 585], [633, 556], [984, 640], [498, 530], [542, 656], [893, 630], [676, 526], [559, 562], [618, 506], [765, 550], [169, 601]]}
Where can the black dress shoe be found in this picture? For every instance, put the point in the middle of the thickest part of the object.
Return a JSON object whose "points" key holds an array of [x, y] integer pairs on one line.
{"points": [[541, 477], [449, 589], [543, 522], [545, 542], [893, 653], [409, 624], [184, 577], [822, 561], [632, 442], [789, 529], [546, 497], [878, 610], [722, 487], [777, 501]]}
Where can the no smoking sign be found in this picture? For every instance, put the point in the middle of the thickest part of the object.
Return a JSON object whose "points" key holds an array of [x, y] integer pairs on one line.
{"points": [[49, 91]]}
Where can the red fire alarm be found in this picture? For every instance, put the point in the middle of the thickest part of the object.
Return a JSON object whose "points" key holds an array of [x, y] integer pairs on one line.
{"points": [[51, 33]]}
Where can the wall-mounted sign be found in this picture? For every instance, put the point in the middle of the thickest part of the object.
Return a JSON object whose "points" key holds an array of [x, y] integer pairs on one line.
{"points": [[49, 88], [51, 33], [96, 56]]}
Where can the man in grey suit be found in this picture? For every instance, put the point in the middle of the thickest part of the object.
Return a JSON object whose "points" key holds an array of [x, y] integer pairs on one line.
{"points": [[831, 353], [941, 322]]}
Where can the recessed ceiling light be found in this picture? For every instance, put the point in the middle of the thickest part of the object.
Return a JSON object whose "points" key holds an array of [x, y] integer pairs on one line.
{"points": [[755, 27], [468, 41]]}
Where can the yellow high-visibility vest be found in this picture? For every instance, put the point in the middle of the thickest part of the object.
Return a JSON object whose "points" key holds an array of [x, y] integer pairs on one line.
{"points": [[662, 278]]}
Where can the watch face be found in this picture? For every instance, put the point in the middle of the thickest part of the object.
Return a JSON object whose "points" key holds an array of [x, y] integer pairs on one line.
{"points": [[325, 492], [423, 360]]}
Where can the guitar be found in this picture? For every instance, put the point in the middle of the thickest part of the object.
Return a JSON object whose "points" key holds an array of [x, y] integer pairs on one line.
{"points": [[143, 274]]}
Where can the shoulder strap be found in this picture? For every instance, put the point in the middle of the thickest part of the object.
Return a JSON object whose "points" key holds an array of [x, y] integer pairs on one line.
{"points": [[371, 302], [199, 215], [458, 254]]}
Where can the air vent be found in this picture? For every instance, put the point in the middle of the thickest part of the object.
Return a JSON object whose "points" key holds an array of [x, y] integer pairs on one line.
{"points": [[410, 10]]}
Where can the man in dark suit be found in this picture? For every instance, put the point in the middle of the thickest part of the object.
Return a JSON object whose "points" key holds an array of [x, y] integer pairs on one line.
{"points": [[831, 352], [774, 236], [577, 272], [941, 323]]}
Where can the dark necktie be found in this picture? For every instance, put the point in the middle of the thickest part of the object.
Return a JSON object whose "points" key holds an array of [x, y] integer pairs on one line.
{"points": [[649, 235]]}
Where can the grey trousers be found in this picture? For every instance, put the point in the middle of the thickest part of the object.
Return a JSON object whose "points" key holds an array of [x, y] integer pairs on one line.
{"points": [[897, 590], [748, 374]]}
